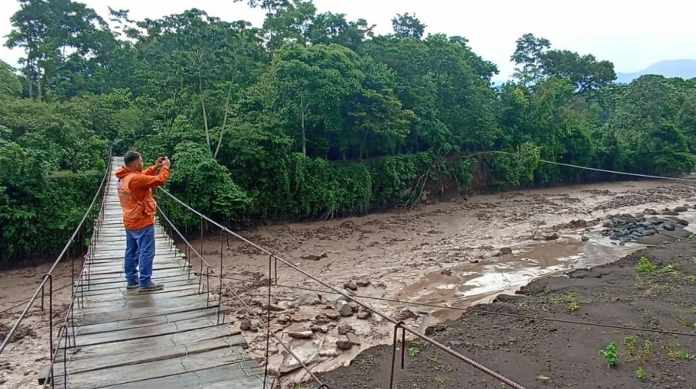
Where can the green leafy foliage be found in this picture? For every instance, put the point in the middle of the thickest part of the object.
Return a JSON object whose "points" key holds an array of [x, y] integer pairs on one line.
{"points": [[641, 374], [610, 354], [204, 184], [645, 266]]}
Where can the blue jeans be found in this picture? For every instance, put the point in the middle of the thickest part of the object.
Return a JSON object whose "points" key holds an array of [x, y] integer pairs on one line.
{"points": [[140, 252]]}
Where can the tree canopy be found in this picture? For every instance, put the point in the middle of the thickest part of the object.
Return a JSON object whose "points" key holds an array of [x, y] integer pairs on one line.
{"points": [[308, 115]]}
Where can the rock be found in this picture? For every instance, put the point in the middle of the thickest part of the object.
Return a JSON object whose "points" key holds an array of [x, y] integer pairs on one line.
{"points": [[301, 334], [287, 304], [312, 257], [505, 251], [283, 319], [668, 227], [350, 285], [680, 209], [446, 272], [247, 325], [318, 328], [432, 330], [585, 238], [649, 211], [405, 314], [332, 315], [344, 329], [344, 344], [344, 309], [364, 315], [553, 236], [543, 378], [309, 299], [361, 282], [272, 307]]}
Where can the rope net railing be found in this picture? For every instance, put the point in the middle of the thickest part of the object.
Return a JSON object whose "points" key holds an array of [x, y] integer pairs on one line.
{"points": [[88, 228]]}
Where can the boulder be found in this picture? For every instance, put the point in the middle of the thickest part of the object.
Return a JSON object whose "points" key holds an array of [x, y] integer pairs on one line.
{"points": [[344, 309], [405, 314], [344, 329]]}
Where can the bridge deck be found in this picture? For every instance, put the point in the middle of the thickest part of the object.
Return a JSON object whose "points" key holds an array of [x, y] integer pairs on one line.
{"points": [[170, 338]]}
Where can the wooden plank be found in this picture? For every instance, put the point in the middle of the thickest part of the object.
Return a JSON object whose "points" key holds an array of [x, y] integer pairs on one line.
{"points": [[224, 376], [156, 353], [155, 369], [190, 332], [145, 322]]}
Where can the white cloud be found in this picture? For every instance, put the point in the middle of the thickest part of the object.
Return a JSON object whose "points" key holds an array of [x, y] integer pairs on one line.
{"points": [[632, 34]]}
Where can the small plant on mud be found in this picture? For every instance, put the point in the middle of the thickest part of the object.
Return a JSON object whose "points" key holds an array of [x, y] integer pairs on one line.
{"points": [[610, 354], [569, 299], [692, 237], [669, 269], [636, 353], [675, 354], [413, 351], [641, 374], [645, 266]]}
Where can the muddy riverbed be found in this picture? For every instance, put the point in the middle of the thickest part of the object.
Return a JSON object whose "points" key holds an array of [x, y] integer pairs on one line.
{"points": [[653, 289], [453, 254]]}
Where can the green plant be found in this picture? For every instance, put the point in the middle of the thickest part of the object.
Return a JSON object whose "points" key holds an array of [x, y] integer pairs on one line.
{"points": [[645, 266], [610, 354], [641, 374], [669, 269], [413, 351], [572, 306]]}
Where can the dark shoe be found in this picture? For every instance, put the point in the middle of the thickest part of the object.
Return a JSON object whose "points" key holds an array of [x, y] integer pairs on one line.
{"points": [[150, 287], [132, 286]]}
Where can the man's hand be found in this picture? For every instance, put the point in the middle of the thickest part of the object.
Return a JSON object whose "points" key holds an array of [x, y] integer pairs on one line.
{"points": [[158, 163], [165, 162]]}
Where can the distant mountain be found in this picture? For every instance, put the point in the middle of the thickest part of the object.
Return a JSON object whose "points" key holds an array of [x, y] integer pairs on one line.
{"points": [[684, 68]]}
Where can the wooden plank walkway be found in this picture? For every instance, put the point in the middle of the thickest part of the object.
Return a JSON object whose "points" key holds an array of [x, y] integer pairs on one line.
{"points": [[169, 338]]}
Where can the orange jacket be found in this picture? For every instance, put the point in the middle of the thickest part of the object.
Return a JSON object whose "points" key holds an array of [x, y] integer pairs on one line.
{"points": [[135, 195]]}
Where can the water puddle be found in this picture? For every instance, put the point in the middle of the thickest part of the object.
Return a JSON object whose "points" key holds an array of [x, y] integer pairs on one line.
{"points": [[471, 283]]}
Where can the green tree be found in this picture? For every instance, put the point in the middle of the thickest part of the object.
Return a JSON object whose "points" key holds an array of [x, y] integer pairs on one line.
{"points": [[408, 26], [528, 56], [10, 84], [585, 72], [67, 46]]}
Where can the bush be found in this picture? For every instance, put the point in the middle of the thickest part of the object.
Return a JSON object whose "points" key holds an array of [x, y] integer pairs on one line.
{"points": [[199, 181]]}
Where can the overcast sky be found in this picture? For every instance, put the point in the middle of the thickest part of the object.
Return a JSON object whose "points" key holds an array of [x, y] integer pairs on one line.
{"points": [[632, 34]]}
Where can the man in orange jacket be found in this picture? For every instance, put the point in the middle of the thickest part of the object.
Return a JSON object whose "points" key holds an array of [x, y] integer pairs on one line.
{"points": [[139, 207]]}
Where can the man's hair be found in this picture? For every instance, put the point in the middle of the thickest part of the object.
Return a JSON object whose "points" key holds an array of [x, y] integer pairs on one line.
{"points": [[130, 157]]}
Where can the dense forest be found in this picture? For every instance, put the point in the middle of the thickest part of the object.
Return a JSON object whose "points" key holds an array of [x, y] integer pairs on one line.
{"points": [[310, 115]]}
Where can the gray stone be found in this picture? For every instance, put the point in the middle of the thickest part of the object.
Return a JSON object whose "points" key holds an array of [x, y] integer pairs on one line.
{"points": [[350, 285], [247, 325], [361, 282], [364, 315], [344, 329], [344, 309], [344, 344], [553, 236], [405, 314], [301, 334]]}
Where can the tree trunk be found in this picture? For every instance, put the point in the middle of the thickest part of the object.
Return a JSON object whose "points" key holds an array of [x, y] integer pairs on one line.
{"points": [[224, 122], [302, 121]]}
